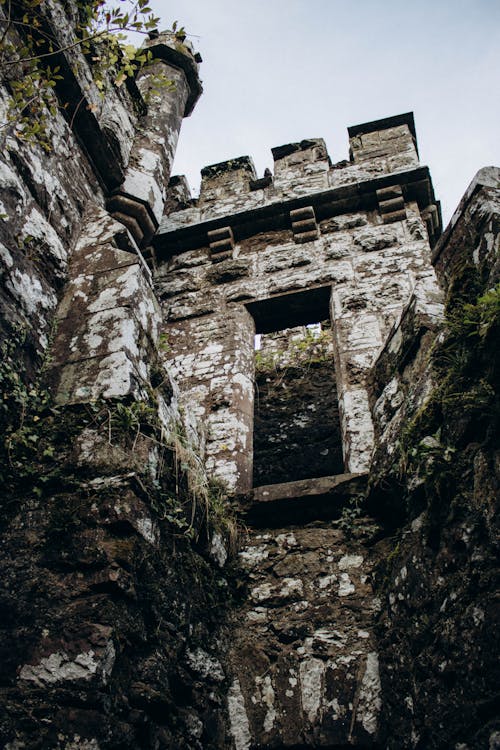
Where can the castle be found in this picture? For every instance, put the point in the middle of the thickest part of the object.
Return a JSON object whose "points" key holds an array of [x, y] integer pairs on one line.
{"points": [[250, 463]]}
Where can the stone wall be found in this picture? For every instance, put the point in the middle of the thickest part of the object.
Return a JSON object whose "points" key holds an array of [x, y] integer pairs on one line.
{"points": [[360, 610], [46, 185], [304, 655], [436, 475], [112, 594], [359, 232]]}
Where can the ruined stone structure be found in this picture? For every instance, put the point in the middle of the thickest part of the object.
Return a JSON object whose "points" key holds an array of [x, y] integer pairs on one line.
{"points": [[249, 458], [347, 243]]}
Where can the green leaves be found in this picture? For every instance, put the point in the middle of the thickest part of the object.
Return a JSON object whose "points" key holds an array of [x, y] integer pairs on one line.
{"points": [[101, 34]]}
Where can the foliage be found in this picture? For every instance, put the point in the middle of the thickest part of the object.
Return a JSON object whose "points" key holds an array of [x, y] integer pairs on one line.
{"points": [[207, 497], [476, 319], [180, 492], [465, 403], [37, 439], [350, 514], [25, 405], [299, 351], [28, 50]]}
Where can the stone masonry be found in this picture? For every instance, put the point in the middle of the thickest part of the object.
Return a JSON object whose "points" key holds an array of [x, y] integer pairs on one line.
{"points": [[365, 260], [158, 592], [350, 244]]}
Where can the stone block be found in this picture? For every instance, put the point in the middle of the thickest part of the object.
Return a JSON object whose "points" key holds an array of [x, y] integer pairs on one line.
{"points": [[113, 376], [99, 334], [375, 238], [383, 137], [220, 241], [473, 231], [301, 653], [307, 236], [304, 225], [357, 427]]}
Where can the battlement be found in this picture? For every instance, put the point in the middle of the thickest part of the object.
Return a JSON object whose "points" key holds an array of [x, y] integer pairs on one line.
{"points": [[375, 148], [392, 137], [383, 172]]}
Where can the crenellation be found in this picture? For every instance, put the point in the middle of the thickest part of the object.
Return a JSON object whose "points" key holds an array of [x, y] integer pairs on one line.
{"points": [[304, 169], [266, 376], [391, 137], [299, 166], [371, 267], [226, 180]]}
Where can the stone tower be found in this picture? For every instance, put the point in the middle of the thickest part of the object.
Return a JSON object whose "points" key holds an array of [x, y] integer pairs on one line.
{"points": [[348, 243], [248, 445]]}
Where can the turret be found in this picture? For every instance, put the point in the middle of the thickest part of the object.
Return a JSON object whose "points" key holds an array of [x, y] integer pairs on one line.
{"points": [[170, 86]]}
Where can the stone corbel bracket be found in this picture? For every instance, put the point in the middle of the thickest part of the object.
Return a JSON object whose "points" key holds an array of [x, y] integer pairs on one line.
{"points": [[221, 243], [432, 220], [391, 204], [304, 225], [133, 214]]}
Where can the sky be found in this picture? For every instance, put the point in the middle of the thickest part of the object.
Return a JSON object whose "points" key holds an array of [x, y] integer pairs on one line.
{"points": [[279, 71]]}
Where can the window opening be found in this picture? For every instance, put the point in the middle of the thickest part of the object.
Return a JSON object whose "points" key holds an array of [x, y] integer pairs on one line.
{"points": [[296, 420]]}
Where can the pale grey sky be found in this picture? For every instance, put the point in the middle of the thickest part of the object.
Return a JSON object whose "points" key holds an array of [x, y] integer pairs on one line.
{"points": [[277, 71]]}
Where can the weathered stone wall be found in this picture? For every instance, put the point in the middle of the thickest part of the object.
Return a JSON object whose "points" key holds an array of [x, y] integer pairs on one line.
{"points": [[46, 186], [249, 241], [111, 621], [305, 658], [112, 593], [436, 471]]}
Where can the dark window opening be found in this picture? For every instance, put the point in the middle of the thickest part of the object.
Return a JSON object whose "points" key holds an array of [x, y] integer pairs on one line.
{"points": [[296, 420]]}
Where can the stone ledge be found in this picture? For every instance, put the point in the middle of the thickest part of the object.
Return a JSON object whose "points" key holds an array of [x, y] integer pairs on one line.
{"points": [[319, 498]]}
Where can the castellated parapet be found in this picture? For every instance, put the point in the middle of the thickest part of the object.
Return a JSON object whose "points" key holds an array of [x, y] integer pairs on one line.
{"points": [[349, 243], [274, 352]]}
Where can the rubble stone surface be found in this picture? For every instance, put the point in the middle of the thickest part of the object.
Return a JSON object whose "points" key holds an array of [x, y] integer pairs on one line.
{"points": [[160, 588]]}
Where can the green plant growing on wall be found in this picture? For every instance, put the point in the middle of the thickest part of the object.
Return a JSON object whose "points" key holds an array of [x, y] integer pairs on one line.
{"points": [[427, 452], [299, 351], [26, 409], [476, 319], [298, 354], [36, 436], [181, 492], [208, 496], [349, 515], [28, 51]]}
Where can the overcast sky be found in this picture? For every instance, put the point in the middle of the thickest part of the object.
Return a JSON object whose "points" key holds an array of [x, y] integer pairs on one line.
{"points": [[277, 71]]}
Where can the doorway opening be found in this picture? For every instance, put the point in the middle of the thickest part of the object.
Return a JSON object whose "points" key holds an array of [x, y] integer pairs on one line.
{"points": [[296, 420]]}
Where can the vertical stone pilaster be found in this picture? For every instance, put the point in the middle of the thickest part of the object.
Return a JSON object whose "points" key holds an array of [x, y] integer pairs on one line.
{"points": [[212, 360], [108, 319]]}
